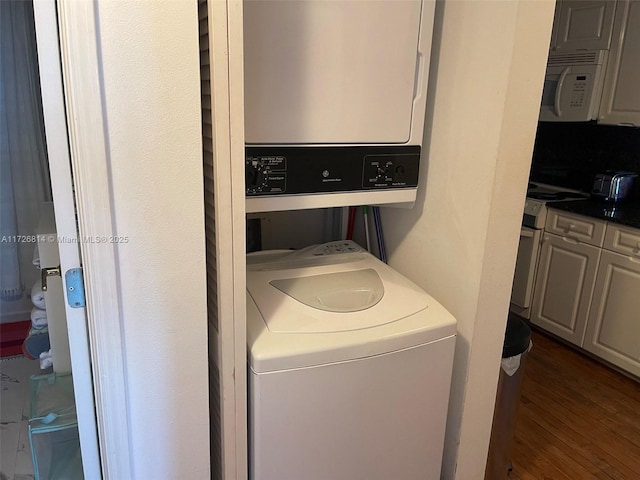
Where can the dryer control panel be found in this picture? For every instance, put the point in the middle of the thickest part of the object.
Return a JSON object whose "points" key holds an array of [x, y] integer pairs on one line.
{"points": [[308, 170]]}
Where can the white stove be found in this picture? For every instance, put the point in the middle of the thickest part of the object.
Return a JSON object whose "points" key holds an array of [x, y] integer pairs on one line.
{"points": [[539, 197]]}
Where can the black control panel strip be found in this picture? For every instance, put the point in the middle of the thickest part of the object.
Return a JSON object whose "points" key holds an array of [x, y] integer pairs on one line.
{"points": [[296, 170]]}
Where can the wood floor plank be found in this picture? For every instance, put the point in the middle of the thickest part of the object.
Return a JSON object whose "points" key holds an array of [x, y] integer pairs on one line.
{"points": [[577, 443], [578, 419], [553, 450]]}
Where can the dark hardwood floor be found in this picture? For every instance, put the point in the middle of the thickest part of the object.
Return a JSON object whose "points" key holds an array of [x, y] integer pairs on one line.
{"points": [[577, 419]]}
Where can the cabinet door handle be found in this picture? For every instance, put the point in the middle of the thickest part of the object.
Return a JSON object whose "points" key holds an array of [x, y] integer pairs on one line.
{"points": [[573, 241]]}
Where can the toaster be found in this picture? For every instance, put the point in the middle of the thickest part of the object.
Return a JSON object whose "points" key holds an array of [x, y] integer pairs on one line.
{"points": [[613, 186]]}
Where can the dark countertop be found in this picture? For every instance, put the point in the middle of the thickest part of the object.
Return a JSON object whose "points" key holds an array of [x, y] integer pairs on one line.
{"points": [[622, 213]]}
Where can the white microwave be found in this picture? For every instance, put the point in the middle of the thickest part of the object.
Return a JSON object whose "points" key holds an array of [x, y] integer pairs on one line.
{"points": [[573, 86]]}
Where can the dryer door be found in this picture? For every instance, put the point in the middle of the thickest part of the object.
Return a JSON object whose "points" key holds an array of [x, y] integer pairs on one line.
{"points": [[330, 72]]}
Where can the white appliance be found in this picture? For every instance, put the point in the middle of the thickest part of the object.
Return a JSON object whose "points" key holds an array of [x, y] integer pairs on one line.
{"points": [[349, 368], [573, 86], [335, 97], [533, 222]]}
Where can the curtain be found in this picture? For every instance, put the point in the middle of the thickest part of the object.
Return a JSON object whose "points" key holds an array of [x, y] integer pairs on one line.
{"points": [[24, 172]]}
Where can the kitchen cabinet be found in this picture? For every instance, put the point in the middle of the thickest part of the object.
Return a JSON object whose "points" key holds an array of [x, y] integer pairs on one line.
{"points": [[582, 25], [588, 287], [620, 104], [576, 227], [613, 326], [564, 285]]}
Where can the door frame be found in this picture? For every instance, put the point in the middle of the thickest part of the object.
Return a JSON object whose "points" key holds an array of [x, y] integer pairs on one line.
{"points": [[54, 117], [78, 158], [228, 348]]}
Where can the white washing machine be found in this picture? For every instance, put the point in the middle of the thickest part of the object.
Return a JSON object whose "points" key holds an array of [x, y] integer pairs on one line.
{"points": [[349, 368]]}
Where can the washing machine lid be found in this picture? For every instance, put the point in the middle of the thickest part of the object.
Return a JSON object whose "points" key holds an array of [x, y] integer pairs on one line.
{"points": [[349, 289], [339, 292], [322, 305]]}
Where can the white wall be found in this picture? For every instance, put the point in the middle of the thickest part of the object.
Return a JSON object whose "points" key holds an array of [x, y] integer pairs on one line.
{"points": [[459, 242], [150, 69]]}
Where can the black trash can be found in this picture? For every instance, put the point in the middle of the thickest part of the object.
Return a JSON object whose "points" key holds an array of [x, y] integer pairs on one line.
{"points": [[517, 339]]}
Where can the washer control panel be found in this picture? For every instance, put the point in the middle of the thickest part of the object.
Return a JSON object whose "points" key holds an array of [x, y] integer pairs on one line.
{"points": [[308, 170], [336, 248]]}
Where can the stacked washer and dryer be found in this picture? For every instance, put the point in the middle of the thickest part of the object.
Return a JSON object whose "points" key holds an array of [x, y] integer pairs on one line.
{"points": [[349, 362]]}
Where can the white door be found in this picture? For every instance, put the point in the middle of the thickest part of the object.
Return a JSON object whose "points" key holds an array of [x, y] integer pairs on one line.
{"points": [[613, 329], [583, 25], [333, 72], [223, 114], [620, 100], [566, 274], [66, 227]]}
